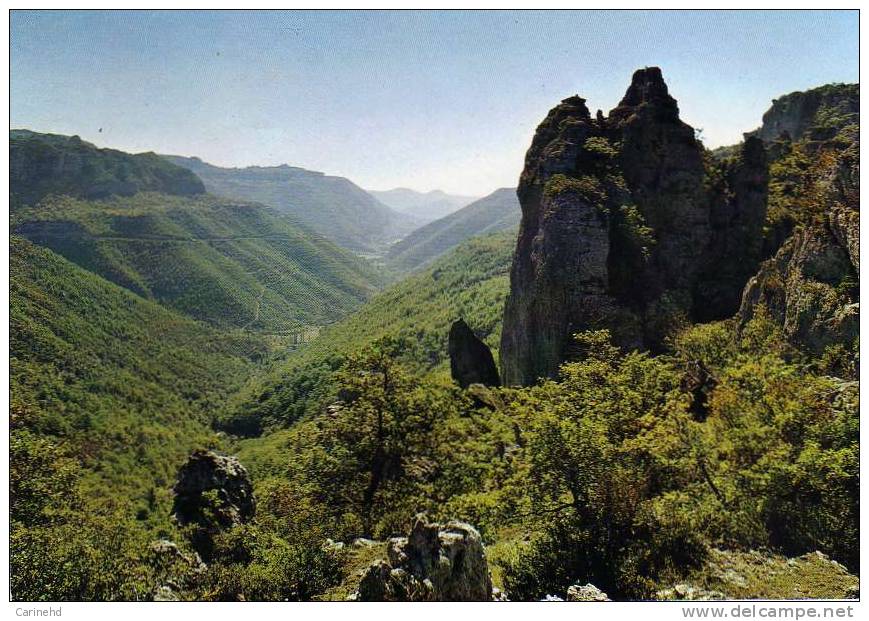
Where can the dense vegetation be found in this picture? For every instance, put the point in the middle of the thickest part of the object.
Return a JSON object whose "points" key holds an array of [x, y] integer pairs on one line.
{"points": [[334, 207], [110, 392], [614, 474], [496, 212]]}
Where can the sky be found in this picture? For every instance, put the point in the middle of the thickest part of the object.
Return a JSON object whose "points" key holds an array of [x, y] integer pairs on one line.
{"points": [[421, 99]]}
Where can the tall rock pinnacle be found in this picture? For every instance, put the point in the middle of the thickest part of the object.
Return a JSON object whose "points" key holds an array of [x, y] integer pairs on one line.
{"points": [[619, 226]]}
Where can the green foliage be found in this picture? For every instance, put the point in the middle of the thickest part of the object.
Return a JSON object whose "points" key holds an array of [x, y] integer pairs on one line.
{"points": [[587, 187], [601, 147], [636, 230], [131, 385], [254, 563]]}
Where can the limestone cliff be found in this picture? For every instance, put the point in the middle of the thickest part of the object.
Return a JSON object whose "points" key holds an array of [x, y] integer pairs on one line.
{"points": [[816, 115], [811, 286], [624, 227]]}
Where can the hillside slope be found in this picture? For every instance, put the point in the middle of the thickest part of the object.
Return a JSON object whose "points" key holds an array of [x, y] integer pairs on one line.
{"points": [[41, 164], [332, 206], [495, 212], [130, 385]]}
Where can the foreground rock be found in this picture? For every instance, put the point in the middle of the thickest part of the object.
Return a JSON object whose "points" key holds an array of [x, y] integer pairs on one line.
{"points": [[728, 574], [434, 562], [177, 572], [587, 593], [471, 360], [212, 492], [232, 502], [623, 228]]}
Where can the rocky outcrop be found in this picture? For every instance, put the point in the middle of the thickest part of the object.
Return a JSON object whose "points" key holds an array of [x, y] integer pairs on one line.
{"points": [[433, 563], [811, 287], [622, 228], [212, 492], [177, 572], [471, 360], [814, 115], [737, 213], [735, 575]]}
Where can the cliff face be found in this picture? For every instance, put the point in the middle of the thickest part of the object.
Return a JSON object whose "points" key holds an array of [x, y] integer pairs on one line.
{"points": [[624, 228], [811, 286], [815, 115]]}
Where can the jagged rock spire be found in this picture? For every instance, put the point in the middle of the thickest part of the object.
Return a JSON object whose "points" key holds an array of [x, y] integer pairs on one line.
{"points": [[647, 89], [620, 230]]}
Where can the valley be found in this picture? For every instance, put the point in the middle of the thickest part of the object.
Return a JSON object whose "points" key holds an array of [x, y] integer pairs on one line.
{"points": [[676, 394]]}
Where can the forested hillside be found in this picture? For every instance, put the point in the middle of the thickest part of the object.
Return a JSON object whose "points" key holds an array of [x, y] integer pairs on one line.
{"points": [[229, 263], [42, 164], [334, 207]]}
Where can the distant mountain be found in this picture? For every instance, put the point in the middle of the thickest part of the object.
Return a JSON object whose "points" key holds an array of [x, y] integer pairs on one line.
{"points": [[229, 263], [334, 207], [425, 206], [495, 212]]}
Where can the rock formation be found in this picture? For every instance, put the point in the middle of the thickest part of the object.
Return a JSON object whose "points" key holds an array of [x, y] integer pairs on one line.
{"points": [[810, 287], [587, 593], [434, 563], [212, 492], [471, 361], [796, 116], [624, 228]]}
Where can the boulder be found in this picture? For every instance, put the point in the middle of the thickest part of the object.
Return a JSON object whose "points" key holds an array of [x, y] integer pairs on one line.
{"points": [[587, 593], [213, 490], [471, 360], [435, 562], [688, 592]]}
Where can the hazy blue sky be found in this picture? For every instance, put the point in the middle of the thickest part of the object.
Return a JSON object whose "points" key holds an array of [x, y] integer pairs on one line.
{"points": [[425, 100]]}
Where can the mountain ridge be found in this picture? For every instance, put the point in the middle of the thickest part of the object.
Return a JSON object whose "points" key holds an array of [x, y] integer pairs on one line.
{"points": [[333, 206]]}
